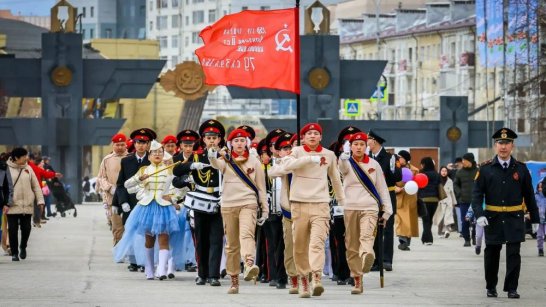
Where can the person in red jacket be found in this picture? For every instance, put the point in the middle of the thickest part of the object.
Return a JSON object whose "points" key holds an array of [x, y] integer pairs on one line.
{"points": [[41, 175]]}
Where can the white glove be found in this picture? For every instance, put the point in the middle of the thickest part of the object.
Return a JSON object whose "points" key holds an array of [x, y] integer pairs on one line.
{"points": [[113, 190], [105, 206], [198, 165], [252, 151], [315, 159], [115, 210], [211, 153], [482, 221], [262, 220], [125, 207], [344, 156]]}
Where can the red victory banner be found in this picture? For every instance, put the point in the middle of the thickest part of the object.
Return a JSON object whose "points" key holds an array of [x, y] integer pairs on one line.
{"points": [[253, 49]]}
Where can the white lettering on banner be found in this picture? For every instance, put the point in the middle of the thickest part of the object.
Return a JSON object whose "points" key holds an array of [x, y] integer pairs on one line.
{"points": [[233, 31], [224, 63], [249, 63], [258, 49], [246, 41], [230, 63]]}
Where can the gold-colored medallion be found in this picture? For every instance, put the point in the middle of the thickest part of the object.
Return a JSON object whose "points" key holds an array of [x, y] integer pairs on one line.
{"points": [[319, 78], [61, 76], [454, 134], [187, 81]]}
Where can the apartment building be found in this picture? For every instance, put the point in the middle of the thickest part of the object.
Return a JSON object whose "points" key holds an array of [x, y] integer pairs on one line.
{"points": [[111, 18]]}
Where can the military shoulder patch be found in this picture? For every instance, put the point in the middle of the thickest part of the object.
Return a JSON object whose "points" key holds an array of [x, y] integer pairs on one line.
{"points": [[486, 162]]}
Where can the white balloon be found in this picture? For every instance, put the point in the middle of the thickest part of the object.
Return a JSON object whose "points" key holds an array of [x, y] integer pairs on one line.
{"points": [[411, 187]]}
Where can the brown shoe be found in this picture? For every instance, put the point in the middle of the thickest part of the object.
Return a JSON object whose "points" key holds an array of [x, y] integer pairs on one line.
{"points": [[367, 262], [304, 288], [293, 285], [317, 284], [251, 270], [234, 288], [358, 288]]}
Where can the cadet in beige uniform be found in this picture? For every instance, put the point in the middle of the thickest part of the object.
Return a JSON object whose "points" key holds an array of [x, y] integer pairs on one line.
{"points": [[284, 147], [106, 182], [311, 165], [239, 205], [361, 208]]}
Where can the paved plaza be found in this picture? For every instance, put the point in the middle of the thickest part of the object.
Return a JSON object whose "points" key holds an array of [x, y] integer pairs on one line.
{"points": [[70, 263]]}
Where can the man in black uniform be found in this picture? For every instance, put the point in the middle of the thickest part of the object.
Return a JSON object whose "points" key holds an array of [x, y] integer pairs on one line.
{"points": [[186, 140], [506, 186], [273, 226], [393, 173], [209, 230], [123, 201]]}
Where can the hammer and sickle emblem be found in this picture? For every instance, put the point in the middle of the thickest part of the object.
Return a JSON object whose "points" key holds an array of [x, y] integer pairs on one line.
{"points": [[284, 41]]}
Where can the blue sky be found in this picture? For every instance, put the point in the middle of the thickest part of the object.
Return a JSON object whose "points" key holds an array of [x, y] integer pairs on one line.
{"points": [[28, 7]]}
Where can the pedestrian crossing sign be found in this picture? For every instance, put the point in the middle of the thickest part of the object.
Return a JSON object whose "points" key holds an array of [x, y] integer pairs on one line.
{"points": [[352, 107]]}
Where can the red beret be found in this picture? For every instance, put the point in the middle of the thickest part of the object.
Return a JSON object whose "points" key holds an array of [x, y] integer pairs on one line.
{"points": [[238, 133], [169, 139], [294, 138], [359, 136], [120, 137], [311, 126]]}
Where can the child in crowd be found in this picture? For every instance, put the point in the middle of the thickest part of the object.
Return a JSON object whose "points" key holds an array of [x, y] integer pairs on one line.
{"points": [[541, 203]]}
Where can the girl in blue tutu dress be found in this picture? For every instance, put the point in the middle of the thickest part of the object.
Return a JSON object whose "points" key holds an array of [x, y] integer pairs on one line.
{"points": [[154, 217]]}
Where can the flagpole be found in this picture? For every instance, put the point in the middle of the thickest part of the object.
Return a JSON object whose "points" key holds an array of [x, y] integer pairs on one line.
{"points": [[298, 59]]}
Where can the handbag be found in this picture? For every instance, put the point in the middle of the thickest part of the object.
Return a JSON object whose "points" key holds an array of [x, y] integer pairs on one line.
{"points": [[441, 192], [421, 208], [202, 202], [45, 190]]}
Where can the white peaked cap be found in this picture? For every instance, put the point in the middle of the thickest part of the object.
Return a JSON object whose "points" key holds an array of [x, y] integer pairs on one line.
{"points": [[166, 156], [155, 145]]}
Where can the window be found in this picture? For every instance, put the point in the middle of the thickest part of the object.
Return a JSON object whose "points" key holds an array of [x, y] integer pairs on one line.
{"points": [[212, 16], [244, 8], [186, 41], [151, 6], [92, 12], [132, 11], [175, 3], [175, 21], [161, 22], [91, 34], [162, 4], [163, 42], [198, 1], [187, 20], [151, 25], [142, 11], [265, 7], [198, 17], [174, 60], [174, 41], [108, 33], [195, 39], [83, 33], [83, 12]]}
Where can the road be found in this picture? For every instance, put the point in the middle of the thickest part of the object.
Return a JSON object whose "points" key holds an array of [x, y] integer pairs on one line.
{"points": [[70, 263]]}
